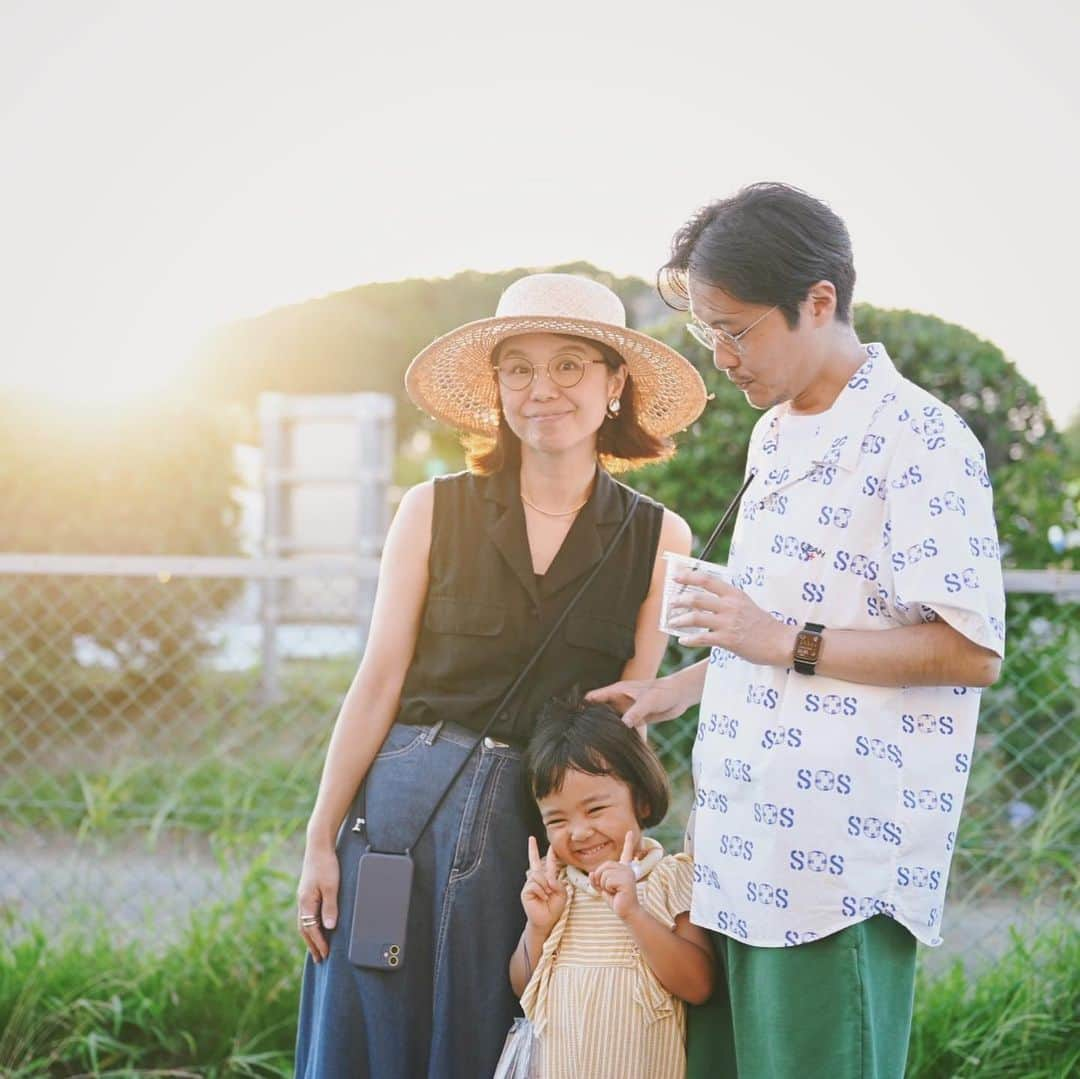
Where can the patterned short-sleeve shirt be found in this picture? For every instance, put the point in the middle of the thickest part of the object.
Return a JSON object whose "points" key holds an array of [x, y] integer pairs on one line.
{"points": [[819, 802]]}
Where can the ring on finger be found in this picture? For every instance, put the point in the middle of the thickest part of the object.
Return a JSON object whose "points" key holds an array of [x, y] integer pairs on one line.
{"points": [[308, 920]]}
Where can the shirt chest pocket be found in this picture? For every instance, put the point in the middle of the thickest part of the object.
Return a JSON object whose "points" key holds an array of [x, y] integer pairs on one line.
{"points": [[464, 617], [600, 634]]}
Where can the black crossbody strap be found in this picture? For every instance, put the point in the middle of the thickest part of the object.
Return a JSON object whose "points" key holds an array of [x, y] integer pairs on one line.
{"points": [[524, 673]]}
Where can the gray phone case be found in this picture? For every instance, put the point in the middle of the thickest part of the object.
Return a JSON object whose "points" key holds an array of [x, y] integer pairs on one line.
{"points": [[381, 910]]}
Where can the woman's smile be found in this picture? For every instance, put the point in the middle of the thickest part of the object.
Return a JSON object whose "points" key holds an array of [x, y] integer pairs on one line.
{"points": [[548, 417]]}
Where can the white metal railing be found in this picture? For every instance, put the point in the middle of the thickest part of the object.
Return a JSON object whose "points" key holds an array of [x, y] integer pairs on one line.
{"points": [[1062, 583], [91, 565]]}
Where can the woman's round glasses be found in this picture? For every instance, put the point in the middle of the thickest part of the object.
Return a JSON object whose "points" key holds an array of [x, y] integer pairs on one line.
{"points": [[566, 371]]}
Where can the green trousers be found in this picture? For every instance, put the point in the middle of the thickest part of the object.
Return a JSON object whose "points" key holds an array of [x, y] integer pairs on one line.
{"points": [[836, 1008]]}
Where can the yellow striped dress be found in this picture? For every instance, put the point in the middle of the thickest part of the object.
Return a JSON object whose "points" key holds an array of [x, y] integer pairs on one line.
{"points": [[595, 1004]]}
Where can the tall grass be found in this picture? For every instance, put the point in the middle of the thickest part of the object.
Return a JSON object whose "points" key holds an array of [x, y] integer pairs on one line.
{"points": [[220, 1000], [208, 795], [1020, 1019]]}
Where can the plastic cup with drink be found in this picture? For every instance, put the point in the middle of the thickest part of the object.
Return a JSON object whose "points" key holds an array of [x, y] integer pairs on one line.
{"points": [[676, 594], [674, 591]]}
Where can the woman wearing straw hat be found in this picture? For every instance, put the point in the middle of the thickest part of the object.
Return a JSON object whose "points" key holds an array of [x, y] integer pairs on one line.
{"points": [[554, 394]]}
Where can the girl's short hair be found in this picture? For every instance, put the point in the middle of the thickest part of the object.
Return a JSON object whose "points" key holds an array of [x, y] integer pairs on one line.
{"points": [[593, 739], [621, 443]]}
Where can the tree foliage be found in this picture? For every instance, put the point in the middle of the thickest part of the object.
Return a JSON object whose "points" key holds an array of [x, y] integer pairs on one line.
{"points": [[1025, 454], [362, 339]]}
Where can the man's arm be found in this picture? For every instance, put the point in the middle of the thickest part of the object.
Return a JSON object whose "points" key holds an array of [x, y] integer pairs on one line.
{"points": [[929, 654]]}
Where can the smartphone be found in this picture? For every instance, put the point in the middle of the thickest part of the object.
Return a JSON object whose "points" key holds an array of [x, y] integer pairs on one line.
{"points": [[381, 910]]}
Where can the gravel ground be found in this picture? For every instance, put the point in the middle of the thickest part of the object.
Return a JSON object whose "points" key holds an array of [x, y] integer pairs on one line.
{"points": [[57, 881]]}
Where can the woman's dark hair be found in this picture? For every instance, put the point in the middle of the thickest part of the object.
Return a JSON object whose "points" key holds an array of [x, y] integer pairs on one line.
{"points": [[621, 443], [593, 739], [767, 244]]}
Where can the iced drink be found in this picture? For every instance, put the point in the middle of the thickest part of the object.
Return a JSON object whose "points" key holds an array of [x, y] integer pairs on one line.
{"points": [[675, 594]]}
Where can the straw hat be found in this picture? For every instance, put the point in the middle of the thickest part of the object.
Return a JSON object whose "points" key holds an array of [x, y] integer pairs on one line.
{"points": [[452, 379]]}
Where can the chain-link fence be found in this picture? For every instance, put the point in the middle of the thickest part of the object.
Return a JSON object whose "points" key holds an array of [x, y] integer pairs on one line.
{"points": [[150, 754]]}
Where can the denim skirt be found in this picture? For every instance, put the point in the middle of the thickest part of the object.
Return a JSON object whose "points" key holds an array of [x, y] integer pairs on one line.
{"points": [[445, 1012]]}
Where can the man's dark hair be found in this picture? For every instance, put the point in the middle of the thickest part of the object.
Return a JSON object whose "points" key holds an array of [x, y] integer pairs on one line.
{"points": [[593, 739], [767, 244]]}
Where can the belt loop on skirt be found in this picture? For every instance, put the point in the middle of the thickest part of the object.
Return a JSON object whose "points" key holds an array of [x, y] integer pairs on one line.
{"points": [[429, 738]]}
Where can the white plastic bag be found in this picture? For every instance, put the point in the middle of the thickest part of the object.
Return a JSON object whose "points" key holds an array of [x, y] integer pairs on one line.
{"points": [[521, 1053]]}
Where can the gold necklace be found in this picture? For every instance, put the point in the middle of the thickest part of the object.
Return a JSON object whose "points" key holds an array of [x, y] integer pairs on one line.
{"points": [[548, 513]]}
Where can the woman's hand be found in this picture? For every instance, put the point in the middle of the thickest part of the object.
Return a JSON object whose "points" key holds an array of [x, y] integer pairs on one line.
{"points": [[616, 881], [543, 897], [316, 898]]}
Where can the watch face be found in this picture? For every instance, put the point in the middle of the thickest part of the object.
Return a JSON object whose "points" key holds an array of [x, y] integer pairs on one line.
{"points": [[807, 646]]}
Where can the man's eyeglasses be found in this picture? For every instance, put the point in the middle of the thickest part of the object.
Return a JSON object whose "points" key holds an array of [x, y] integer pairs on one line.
{"points": [[712, 337], [566, 371]]}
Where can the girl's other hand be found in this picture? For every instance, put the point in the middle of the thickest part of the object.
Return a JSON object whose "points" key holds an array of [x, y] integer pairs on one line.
{"points": [[617, 882], [543, 897]]}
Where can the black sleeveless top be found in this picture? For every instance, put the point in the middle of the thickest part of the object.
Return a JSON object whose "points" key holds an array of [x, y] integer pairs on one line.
{"points": [[487, 612]]}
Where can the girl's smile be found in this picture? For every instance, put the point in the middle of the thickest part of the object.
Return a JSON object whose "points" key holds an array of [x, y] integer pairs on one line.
{"points": [[591, 852]]}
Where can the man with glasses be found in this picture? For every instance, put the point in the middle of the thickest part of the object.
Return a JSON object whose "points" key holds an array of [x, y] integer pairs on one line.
{"points": [[842, 685]]}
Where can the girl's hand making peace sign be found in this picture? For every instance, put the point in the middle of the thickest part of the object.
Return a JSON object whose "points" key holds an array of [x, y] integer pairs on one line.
{"points": [[544, 896], [617, 881]]}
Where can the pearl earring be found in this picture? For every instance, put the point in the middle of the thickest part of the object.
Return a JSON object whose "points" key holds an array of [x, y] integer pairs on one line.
{"points": [[613, 407]]}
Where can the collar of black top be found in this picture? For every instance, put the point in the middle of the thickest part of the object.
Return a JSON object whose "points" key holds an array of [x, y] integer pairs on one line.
{"points": [[607, 504]]}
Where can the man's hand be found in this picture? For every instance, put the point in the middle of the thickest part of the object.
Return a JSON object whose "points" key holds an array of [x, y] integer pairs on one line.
{"points": [[651, 700], [728, 618]]}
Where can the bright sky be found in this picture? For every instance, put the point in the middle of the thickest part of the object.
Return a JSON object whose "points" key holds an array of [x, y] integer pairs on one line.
{"points": [[171, 166]]}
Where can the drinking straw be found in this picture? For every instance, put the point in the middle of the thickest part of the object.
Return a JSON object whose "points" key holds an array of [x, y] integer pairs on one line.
{"points": [[710, 543]]}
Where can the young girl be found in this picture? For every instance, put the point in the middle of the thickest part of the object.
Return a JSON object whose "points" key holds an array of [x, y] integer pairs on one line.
{"points": [[608, 954]]}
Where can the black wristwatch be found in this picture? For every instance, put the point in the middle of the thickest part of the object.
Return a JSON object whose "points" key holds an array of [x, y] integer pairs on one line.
{"points": [[808, 648]]}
